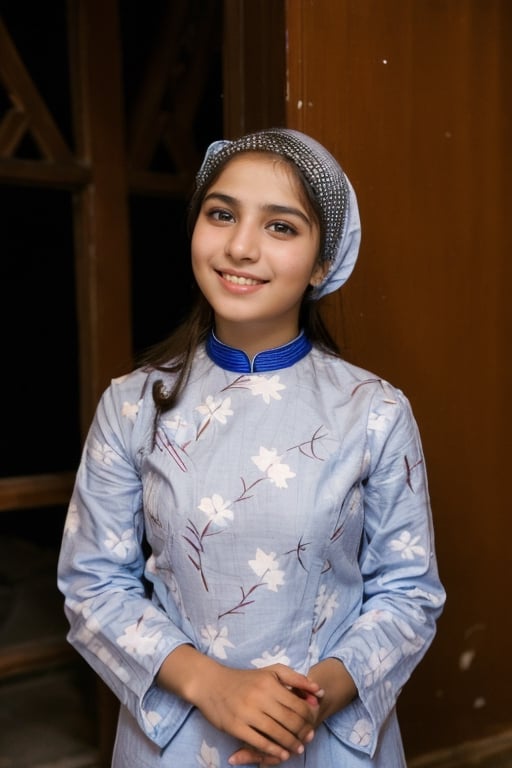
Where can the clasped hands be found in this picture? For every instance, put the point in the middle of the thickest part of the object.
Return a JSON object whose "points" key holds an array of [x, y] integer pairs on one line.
{"points": [[273, 711]]}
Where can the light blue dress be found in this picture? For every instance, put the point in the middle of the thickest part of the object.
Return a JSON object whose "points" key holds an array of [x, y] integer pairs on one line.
{"points": [[286, 510]]}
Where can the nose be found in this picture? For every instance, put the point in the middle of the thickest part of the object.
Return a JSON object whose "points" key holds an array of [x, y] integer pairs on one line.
{"points": [[243, 243]]}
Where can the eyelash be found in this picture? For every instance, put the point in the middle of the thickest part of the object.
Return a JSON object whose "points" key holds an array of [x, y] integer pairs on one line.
{"points": [[284, 228], [217, 213], [279, 227]]}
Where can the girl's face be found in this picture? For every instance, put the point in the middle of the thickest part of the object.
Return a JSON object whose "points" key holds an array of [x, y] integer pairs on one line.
{"points": [[255, 251]]}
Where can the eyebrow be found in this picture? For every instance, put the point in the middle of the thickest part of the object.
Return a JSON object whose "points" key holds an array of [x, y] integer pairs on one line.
{"points": [[268, 207]]}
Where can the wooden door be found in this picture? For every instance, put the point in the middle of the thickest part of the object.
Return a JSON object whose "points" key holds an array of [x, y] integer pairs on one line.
{"points": [[105, 110], [413, 97]]}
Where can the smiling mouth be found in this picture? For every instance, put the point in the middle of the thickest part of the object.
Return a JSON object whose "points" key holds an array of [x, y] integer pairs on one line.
{"points": [[241, 280]]}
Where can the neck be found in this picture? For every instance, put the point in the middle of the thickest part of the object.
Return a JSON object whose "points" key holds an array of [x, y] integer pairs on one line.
{"points": [[254, 340]]}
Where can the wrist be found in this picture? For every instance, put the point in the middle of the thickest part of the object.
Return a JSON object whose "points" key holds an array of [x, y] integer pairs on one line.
{"points": [[184, 671], [338, 685]]}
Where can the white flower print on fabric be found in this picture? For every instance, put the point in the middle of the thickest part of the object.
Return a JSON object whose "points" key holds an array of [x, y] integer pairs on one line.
{"points": [[277, 656], [379, 663], [179, 427], [216, 509], [217, 410], [417, 592], [361, 733], [102, 453], [88, 635], [130, 410], [412, 646], [405, 628], [72, 524], [110, 661], [216, 641], [325, 605], [120, 546], [270, 463], [92, 625], [371, 619], [266, 387], [138, 638], [209, 756], [408, 546], [266, 566], [152, 719], [377, 422], [278, 474], [175, 423]]}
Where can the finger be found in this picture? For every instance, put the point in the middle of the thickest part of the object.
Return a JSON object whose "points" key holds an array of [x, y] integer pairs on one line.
{"points": [[294, 709], [312, 699], [247, 755], [292, 679], [273, 745], [280, 734]]}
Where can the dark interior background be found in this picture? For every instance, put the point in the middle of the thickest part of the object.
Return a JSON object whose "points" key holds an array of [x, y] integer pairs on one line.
{"points": [[413, 97]]}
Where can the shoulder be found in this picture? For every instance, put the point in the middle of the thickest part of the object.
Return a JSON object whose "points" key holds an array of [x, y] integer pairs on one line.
{"points": [[131, 395], [128, 398], [380, 404], [351, 378], [131, 387]]}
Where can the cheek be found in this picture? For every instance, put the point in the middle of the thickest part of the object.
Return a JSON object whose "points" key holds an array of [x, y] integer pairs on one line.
{"points": [[301, 265], [206, 242], [196, 237], [197, 247]]}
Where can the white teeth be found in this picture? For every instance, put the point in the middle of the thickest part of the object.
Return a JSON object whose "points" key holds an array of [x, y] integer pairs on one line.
{"points": [[240, 280]]}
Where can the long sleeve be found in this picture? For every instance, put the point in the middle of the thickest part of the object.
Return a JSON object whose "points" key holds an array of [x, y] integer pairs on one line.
{"points": [[402, 596], [114, 624]]}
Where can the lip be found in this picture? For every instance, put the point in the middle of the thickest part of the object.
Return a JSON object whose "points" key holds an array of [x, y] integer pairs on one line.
{"points": [[240, 280]]}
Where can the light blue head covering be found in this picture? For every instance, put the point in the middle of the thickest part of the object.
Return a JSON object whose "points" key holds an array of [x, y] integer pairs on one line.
{"points": [[330, 185]]}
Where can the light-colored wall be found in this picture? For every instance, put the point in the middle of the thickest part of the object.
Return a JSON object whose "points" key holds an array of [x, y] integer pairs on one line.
{"points": [[413, 97]]}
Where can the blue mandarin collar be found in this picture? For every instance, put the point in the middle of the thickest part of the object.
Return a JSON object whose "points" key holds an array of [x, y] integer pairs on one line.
{"points": [[232, 359]]}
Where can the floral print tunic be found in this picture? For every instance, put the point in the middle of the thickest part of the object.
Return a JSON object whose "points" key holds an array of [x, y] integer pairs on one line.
{"points": [[281, 515]]}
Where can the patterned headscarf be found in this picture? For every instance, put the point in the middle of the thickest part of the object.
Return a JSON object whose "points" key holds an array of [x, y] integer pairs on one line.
{"points": [[331, 188]]}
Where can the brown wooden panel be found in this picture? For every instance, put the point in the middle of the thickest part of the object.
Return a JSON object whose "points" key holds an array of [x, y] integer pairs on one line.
{"points": [[34, 491], [414, 99], [26, 98], [103, 276], [31, 657], [39, 173], [254, 65], [12, 128]]}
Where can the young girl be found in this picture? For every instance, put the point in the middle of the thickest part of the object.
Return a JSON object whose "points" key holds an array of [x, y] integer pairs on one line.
{"points": [[248, 558]]}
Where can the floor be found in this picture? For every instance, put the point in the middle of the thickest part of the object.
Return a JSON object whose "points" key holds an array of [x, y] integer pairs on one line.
{"points": [[46, 718], [44, 722]]}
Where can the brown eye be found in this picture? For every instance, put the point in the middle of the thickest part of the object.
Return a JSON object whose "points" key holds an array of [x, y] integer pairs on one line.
{"points": [[282, 228], [220, 214]]}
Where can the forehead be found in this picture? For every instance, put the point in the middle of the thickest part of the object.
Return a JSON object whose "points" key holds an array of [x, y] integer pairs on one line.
{"points": [[273, 171], [262, 160]]}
